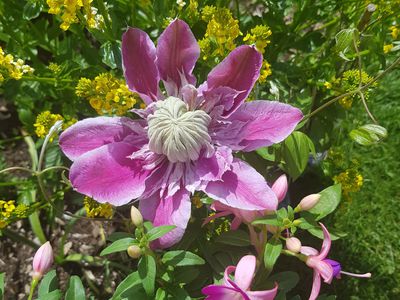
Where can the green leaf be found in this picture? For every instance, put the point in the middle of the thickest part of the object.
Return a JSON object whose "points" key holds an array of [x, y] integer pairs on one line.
{"points": [[330, 199], [234, 238], [75, 291], [110, 53], [161, 294], [334, 234], [118, 246], [147, 273], [32, 10], [157, 232], [368, 134], [272, 252], [128, 286], [181, 258], [268, 219], [54, 295], [2, 275], [286, 280], [345, 40], [295, 152], [48, 283], [267, 153]]}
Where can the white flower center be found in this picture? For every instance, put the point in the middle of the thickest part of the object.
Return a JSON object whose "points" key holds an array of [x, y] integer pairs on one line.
{"points": [[176, 132]]}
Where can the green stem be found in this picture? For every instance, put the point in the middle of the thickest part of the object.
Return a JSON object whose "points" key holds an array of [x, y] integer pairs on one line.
{"points": [[33, 287], [37, 227], [49, 80], [16, 169]]}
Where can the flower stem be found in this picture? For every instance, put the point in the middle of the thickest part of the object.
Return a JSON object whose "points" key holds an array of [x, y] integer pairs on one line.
{"points": [[33, 287]]}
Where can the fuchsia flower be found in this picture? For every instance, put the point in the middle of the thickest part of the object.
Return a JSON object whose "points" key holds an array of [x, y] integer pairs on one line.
{"points": [[184, 140], [323, 266], [239, 288], [42, 260]]}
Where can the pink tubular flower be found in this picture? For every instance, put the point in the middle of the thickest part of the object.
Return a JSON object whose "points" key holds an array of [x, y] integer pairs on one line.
{"points": [[323, 266], [184, 140], [239, 288], [42, 260]]}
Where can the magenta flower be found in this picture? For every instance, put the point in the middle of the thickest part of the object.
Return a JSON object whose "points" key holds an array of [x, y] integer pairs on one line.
{"points": [[184, 140], [238, 289], [323, 266], [42, 260]]}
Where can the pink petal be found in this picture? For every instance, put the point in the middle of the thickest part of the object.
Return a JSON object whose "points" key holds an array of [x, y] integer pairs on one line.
{"points": [[212, 168], [326, 245], [169, 210], [308, 251], [93, 133], [107, 175], [263, 295], [280, 187], [239, 71], [139, 64], [177, 53], [325, 270], [261, 123], [244, 272], [316, 286], [243, 187], [220, 292]]}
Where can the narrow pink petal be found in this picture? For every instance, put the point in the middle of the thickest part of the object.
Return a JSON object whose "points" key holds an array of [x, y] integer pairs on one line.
{"points": [[239, 71], [177, 53], [93, 133], [107, 175], [227, 272], [168, 210], [326, 244], [243, 187], [220, 292], [139, 64], [316, 286], [325, 270], [244, 272], [308, 251], [262, 123], [263, 295]]}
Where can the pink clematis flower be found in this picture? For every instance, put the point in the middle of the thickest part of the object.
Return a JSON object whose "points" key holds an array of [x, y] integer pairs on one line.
{"points": [[323, 266], [184, 140], [239, 288]]}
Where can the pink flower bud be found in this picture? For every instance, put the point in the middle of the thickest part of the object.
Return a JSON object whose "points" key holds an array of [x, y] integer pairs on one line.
{"points": [[134, 251], [136, 217], [293, 244], [308, 202], [42, 260], [280, 187]]}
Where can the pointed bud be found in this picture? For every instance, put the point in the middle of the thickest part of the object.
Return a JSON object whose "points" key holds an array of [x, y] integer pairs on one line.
{"points": [[134, 251], [293, 244], [308, 202], [136, 217], [42, 260], [280, 187]]}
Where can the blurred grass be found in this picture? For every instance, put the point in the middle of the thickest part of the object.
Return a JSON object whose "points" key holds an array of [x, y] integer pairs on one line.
{"points": [[372, 217]]}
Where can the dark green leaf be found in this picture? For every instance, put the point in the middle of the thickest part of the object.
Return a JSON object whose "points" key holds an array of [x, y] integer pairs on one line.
{"points": [[147, 273], [131, 285], [157, 232], [32, 10], [330, 199], [286, 280], [48, 283], [75, 291], [234, 238], [182, 258], [272, 252], [118, 245]]}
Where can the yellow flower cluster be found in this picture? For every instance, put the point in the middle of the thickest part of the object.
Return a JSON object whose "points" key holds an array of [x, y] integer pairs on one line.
{"points": [[387, 7], [349, 82], [265, 72], [106, 94], [10, 68], [45, 120], [69, 9], [351, 181], [222, 30], [394, 32], [96, 209], [55, 68], [8, 212], [259, 37]]}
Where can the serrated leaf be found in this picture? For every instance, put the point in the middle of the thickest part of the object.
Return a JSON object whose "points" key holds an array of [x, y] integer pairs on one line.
{"points": [[157, 232], [368, 134], [272, 252], [48, 283], [118, 246], [181, 258], [147, 273], [75, 291], [234, 238], [330, 199]]}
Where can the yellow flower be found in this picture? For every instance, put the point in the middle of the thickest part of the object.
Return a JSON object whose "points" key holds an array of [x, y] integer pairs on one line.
{"points": [[327, 85], [265, 72], [106, 94], [351, 181], [222, 30], [394, 32], [96, 209], [6, 208], [55, 68], [259, 37], [387, 48], [44, 121], [10, 68]]}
